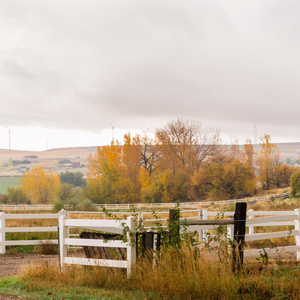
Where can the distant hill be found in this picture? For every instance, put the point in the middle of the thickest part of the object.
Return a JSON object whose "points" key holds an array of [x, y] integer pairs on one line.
{"points": [[59, 153], [49, 159], [289, 150]]}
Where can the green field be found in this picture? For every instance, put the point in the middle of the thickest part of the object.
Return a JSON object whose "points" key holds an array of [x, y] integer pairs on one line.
{"points": [[8, 181]]}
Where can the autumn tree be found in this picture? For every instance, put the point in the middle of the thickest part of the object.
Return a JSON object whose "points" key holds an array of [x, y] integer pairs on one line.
{"points": [[268, 159], [185, 145], [104, 173], [249, 152], [39, 186], [227, 175], [281, 175], [166, 187], [150, 153], [114, 172]]}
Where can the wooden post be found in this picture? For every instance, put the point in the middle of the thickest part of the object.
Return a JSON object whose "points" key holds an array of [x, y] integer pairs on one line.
{"points": [[2, 233], [174, 232], [239, 235]]}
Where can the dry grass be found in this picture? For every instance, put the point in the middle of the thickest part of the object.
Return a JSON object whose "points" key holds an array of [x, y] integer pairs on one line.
{"points": [[178, 274], [31, 223]]}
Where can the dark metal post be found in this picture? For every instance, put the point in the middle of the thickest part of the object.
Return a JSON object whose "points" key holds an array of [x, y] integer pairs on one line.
{"points": [[147, 246], [239, 235]]}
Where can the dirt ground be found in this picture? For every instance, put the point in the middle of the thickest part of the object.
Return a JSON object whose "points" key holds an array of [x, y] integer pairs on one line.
{"points": [[11, 264]]}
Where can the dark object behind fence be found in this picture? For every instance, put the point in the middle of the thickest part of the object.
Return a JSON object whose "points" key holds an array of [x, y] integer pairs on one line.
{"points": [[102, 252]]}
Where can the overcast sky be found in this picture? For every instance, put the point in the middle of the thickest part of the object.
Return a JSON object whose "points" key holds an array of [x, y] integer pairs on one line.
{"points": [[68, 68]]}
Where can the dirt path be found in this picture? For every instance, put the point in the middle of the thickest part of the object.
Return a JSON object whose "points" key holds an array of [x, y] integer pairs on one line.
{"points": [[10, 264]]}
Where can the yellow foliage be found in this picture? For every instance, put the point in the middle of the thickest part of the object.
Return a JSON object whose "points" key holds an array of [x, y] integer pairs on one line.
{"points": [[268, 159], [39, 186]]}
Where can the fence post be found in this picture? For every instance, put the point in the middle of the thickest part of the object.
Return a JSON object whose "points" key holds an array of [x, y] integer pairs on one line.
{"points": [[147, 243], [174, 230], [200, 215], [204, 217], [239, 235], [131, 248], [63, 232], [251, 216], [297, 237], [230, 233], [2, 232]]}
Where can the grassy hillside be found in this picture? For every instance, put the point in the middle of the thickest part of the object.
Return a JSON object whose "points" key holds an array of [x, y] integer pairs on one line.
{"points": [[8, 182]]}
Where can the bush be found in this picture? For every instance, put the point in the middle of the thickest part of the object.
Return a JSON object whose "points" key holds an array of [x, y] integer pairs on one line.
{"points": [[58, 205], [86, 205], [295, 183], [47, 248]]}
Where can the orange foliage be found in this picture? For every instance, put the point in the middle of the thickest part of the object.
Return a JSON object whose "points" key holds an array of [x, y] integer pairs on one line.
{"points": [[39, 186]]}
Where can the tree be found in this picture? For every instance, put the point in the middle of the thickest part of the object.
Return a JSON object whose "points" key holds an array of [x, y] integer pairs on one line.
{"points": [[74, 178], [281, 175], [16, 195], [39, 186], [226, 175], [166, 187], [65, 192], [150, 153], [185, 145], [295, 183], [268, 159], [114, 173]]}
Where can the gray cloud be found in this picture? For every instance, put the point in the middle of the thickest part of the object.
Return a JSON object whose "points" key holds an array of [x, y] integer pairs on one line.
{"points": [[79, 64]]}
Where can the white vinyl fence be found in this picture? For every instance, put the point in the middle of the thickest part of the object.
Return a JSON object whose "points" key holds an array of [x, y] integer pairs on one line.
{"points": [[255, 218], [129, 206], [108, 226], [4, 229], [258, 219], [22, 207]]}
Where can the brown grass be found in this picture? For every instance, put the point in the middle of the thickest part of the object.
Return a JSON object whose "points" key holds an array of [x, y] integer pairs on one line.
{"points": [[178, 274]]}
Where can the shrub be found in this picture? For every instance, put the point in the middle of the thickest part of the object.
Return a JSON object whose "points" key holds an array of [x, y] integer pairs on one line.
{"points": [[47, 248], [58, 205], [295, 183]]}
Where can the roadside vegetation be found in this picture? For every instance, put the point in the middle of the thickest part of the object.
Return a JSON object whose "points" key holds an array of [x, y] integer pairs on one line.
{"points": [[184, 273]]}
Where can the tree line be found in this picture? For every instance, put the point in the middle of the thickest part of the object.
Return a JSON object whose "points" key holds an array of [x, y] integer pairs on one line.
{"points": [[183, 161]]}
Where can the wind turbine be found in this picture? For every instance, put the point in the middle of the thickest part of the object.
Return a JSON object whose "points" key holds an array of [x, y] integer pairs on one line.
{"points": [[8, 136], [113, 132]]}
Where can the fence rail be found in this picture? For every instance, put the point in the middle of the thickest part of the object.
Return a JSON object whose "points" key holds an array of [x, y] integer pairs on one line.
{"points": [[147, 205], [254, 219], [111, 226], [4, 229]]}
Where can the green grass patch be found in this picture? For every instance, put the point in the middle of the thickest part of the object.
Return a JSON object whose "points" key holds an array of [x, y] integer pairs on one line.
{"points": [[8, 181], [14, 287]]}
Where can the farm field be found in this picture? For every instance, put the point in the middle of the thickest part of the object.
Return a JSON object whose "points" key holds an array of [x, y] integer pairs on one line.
{"points": [[9, 181]]}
